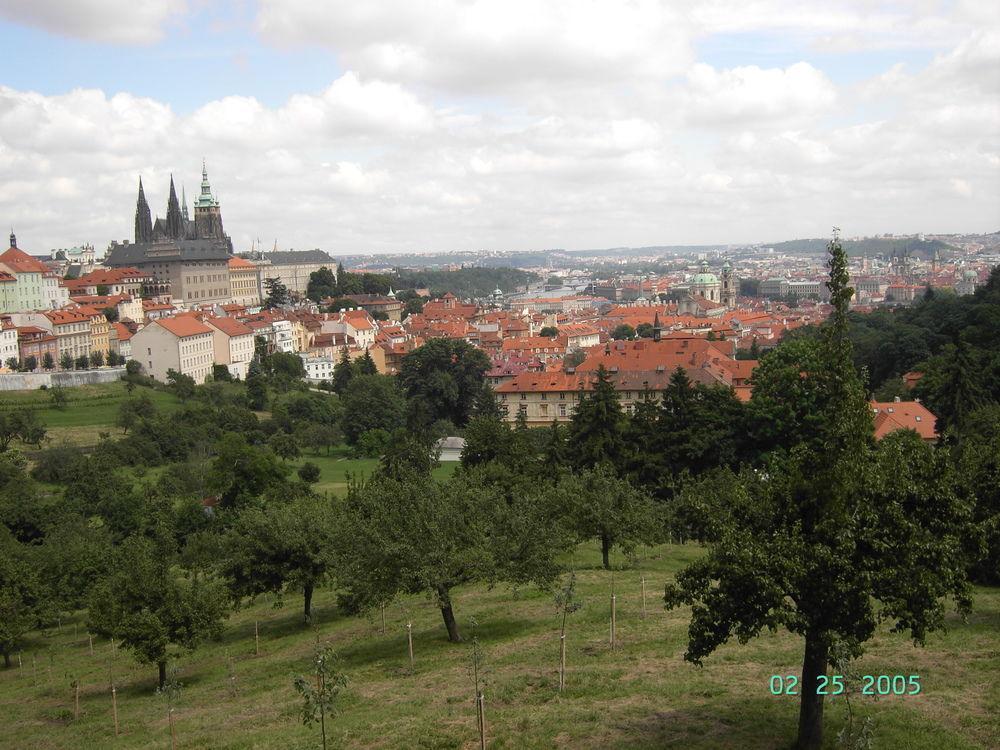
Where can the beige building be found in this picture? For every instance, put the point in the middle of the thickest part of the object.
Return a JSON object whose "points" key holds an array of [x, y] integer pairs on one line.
{"points": [[99, 329], [72, 329], [181, 343], [293, 268], [244, 283], [190, 272], [232, 345]]}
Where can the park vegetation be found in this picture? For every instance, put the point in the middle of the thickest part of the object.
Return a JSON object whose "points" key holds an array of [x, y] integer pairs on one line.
{"points": [[179, 517]]}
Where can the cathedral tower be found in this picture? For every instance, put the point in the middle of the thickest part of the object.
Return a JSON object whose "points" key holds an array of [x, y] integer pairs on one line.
{"points": [[175, 222], [728, 291], [207, 212], [143, 222]]}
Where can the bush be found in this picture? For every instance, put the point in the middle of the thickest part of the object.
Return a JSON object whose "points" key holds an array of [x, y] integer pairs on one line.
{"points": [[372, 444], [55, 465], [309, 472]]}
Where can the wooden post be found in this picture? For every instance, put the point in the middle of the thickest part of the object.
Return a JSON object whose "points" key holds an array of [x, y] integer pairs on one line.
{"points": [[173, 733], [114, 707], [34, 671], [481, 710], [383, 618], [613, 600], [644, 596], [409, 641], [256, 638], [90, 637], [76, 699], [562, 662]]}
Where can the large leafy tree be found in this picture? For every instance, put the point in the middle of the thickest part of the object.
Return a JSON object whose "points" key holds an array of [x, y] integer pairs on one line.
{"points": [[241, 473], [278, 547], [596, 504], [22, 594], [322, 284], [447, 375], [371, 402], [417, 535], [833, 536], [150, 608]]}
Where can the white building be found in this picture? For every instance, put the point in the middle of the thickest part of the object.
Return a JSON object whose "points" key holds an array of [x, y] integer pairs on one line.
{"points": [[284, 336], [8, 342], [182, 343], [318, 369]]}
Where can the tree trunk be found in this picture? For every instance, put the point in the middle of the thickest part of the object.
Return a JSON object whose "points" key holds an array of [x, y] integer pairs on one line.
{"points": [[606, 551], [6, 660], [444, 600], [307, 595], [162, 665], [814, 665]]}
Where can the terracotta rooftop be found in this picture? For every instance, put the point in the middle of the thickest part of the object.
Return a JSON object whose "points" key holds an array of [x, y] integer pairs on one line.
{"points": [[182, 326], [230, 326], [903, 415]]}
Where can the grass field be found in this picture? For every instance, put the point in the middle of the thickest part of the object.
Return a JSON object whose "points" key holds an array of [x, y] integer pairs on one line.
{"points": [[90, 410], [640, 695], [335, 467]]}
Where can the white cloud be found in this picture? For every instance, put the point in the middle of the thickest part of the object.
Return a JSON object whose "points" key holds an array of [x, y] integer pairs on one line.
{"points": [[753, 95], [490, 45], [470, 123], [119, 21]]}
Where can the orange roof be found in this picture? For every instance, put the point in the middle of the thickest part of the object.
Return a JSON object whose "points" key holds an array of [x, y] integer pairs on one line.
{"points": [[230, 326], [21, 262], [903, 415], [533, 342], [182, 327], [241, 263], [122, 331], [61, 317]]}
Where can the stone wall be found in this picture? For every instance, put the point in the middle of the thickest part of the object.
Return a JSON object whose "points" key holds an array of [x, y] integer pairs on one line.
{"points": [[32, 381]]}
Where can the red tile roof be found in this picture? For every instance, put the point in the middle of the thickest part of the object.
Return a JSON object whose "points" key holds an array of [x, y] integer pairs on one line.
{"points": [[182, 326], [903, 415], [230, 326], [21, 262]]}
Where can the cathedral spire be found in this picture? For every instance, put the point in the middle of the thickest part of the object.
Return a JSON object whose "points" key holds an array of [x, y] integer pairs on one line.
{"points": [[143, 222], [175, 222], [184, 203], [13, 238]]}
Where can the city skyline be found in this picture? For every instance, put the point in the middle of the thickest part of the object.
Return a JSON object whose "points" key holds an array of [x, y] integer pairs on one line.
{"points": [[463, 128]]}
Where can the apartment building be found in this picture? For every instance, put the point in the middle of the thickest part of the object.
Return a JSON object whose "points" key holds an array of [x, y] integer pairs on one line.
{"points": [[182, 343], [232, 345]]}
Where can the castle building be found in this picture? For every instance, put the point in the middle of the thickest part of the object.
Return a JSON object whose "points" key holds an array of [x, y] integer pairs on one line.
{"points": [[186, 259]]}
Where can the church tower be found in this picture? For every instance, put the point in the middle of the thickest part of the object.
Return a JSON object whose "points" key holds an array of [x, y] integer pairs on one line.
{"points": [[143, 222], [175, 222], [657, 327], [207, 212], [728, 295], [184, 205]]}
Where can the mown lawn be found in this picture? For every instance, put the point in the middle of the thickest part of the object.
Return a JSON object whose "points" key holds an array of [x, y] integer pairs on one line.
{"points": [[639, 695], [335, 468], [90, 409]]}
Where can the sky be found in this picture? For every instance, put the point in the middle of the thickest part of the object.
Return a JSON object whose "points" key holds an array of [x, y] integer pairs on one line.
{"points": [[401, 126]]}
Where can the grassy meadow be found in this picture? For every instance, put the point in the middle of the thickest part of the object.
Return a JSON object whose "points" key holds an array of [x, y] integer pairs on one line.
{"points": [[90, 410], [639, 695]]}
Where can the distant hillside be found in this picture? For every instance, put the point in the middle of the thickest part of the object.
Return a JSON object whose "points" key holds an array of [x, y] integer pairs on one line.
{"points": [[920, 249]]}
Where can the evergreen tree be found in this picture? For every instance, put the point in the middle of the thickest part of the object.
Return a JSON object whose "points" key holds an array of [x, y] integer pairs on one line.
{"points": [[343, 371], [366, 365], [596, 428]]}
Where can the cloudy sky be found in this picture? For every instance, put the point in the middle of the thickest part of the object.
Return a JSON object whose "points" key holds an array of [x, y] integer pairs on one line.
{"points": [[395, 125]]}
